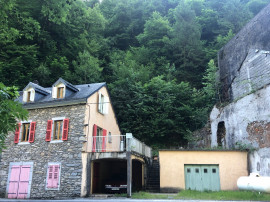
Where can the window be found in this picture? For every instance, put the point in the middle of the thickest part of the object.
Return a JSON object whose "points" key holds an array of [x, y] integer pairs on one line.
{"points": [[214, 170], [103, 103], [28, 96], [57, 131], [197, 170], [60, 92], [205, 170], [99, 139], [25, 132], [188, 170], [53, 176]]}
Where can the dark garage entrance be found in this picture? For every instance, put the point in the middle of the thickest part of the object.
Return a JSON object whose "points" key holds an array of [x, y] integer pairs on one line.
{"points": [[108, 171]]}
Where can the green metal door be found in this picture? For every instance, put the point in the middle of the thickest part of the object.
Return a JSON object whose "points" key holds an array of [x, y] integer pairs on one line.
{"points": [[202, 177]]}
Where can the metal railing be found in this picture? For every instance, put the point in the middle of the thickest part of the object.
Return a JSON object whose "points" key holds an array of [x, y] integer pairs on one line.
{"points": [[140, 147], [117, 143], [112, 143]]}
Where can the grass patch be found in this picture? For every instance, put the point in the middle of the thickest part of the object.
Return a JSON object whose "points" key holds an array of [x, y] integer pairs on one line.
{"points": [[224, 195], [146, 195], [208, 195]]}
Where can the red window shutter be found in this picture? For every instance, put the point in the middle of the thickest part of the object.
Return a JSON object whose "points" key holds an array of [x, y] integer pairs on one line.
{"points": [[104, 140], [32, 132], [17, 133], [49, 131], [65, 129], [94, 138]]}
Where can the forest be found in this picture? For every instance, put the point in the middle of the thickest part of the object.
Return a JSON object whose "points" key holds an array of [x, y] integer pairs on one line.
{"points": [[158, 57]]}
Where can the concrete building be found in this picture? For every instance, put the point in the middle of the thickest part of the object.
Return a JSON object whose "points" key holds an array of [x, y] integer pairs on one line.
{"points": [[201, 170], [244, 70], [70, 146]]}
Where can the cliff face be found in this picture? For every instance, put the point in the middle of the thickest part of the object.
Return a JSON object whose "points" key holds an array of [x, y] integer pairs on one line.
{"points": [[255, 35]]}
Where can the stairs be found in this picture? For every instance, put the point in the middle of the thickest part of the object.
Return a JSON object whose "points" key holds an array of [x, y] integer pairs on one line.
{"points": [[153, 178]]}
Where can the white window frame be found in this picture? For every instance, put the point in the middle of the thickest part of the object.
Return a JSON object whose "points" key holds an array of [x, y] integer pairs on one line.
{"points": [[47, 175], [57, 119], [103, 106], [55, 89], [21, 132], [32, 95]]}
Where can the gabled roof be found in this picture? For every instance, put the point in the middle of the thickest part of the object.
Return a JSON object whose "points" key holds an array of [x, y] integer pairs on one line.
{"points": [[37, 88], [67, 84], [80, 95]]}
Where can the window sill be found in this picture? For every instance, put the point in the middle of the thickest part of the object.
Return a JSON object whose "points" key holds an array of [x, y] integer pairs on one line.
{"points": [[56, 141], [103, 113], [55, 189], [23, 143]]}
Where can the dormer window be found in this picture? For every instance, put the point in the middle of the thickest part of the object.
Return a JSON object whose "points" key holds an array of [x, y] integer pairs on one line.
{"points": [[28, 96], [62, 89], [33, 92], [60, 92]]}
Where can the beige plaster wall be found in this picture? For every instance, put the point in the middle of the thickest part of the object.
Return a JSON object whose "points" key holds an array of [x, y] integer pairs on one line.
{"points": [[107, 121], [104, 121], [232, 165]]}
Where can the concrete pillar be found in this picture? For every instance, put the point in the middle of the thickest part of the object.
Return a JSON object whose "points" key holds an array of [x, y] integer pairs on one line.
{"points": [[129, 165], [88, 175]]}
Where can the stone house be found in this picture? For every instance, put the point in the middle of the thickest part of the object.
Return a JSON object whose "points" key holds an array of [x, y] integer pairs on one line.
{"points": [[244, 69], [70, 146]]}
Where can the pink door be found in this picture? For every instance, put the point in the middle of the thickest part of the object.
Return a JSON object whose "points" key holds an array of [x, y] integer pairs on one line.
{"points": [[19, 181], [14, 181]]}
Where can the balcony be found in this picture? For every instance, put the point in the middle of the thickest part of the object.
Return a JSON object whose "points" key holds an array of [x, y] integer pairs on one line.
{"points": [[118, 143]]}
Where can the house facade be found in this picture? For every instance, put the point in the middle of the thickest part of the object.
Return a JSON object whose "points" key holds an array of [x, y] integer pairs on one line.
{"points": [[53, 153], [244, 69]]}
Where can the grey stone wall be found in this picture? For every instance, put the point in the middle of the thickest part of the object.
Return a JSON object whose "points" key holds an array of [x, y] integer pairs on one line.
{"points": [[255, 35], [68, 153], [253, 74], [247, 123]]}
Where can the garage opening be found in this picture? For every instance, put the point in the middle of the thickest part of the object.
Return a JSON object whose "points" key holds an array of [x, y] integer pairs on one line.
{"points": [[136, 175], [114, 172], [107, 172]]}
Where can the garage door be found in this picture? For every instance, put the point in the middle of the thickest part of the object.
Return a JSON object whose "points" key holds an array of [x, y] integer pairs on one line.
{"points": [[19, 181], [202, 177]]}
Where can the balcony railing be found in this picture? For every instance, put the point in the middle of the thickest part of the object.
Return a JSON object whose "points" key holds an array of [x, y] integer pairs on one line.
{"points": [[117, 143]]}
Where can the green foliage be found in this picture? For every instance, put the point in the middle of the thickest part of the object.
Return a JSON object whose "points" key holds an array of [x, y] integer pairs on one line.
{"points": [[153, 54], [244, 147], [10, 112]]}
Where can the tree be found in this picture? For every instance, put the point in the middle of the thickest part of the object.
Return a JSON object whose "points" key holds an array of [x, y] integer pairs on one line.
{"points": [[156, 35], [10, 112], [186, 48]]}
